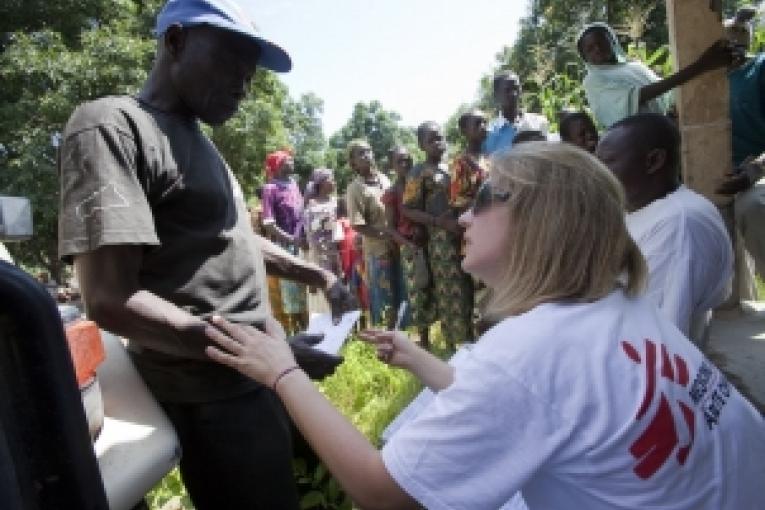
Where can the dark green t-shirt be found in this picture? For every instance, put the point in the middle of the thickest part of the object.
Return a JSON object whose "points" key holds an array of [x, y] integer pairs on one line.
{"points": [[131, 174]]}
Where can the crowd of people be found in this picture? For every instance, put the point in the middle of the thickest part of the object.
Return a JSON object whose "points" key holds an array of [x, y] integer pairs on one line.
{"points": [[593, 270]]}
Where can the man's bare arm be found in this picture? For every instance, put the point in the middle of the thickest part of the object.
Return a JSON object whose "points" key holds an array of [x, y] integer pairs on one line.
{"points": [[281, 263], [108, 280]]}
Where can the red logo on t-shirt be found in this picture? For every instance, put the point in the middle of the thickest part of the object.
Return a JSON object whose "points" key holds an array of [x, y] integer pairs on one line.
{"points": [[660, 438]]}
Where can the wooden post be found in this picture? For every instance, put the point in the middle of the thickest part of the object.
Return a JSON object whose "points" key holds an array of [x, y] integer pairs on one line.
{"points": [[703, 106], [703, 102]]}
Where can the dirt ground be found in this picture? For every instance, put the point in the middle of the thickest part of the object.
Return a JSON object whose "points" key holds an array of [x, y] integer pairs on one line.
{"points": [[737, 346]]}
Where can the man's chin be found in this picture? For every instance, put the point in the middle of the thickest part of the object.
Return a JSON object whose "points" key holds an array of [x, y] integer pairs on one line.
{"points": [[218, 118]]}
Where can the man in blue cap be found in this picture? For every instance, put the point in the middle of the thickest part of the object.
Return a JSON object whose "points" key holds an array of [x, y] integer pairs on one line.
{"points": [[160, 236]]}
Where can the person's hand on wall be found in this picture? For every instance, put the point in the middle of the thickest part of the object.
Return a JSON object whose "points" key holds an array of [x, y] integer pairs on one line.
{"points": [[720, 54]]}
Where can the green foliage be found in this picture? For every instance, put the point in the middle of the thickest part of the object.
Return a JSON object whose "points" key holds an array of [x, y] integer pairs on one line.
{"points": [[43, 80], [257, 129], [56, 55], [545, 57], [303, 124], [380, 127]]}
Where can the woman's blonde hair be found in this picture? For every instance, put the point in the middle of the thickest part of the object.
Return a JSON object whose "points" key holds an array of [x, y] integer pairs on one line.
{"points": [[567, 240]]}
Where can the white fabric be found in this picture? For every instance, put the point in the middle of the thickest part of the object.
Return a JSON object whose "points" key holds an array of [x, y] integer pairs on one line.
{"points": [[689, 255], [5, 254], [527, 121], [547, 403], [613, 91]]}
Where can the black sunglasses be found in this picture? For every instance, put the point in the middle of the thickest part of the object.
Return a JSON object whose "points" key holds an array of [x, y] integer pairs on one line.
{"points": [[486, 197]]}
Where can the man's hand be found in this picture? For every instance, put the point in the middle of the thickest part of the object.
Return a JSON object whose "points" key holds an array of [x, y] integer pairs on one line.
{"points": [[720, 54], [339, 297], [734, 183], [317, 364]]}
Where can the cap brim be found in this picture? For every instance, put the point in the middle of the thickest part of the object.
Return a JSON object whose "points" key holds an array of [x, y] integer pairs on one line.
{"points": [[272, 56]]}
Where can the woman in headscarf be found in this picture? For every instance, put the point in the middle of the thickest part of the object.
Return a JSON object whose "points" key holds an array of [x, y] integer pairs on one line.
{"points": [[617, 88], [322, 230], [282, 221]]}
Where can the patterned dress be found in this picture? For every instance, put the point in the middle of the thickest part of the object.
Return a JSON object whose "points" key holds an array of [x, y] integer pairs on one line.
{"points": [[283, 205], [428, 189], [420, 298], [322, 232], [466, 175]]}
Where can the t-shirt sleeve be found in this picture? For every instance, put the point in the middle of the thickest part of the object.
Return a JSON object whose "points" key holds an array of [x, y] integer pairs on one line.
{"points": [[477, 443], [102, 199]]}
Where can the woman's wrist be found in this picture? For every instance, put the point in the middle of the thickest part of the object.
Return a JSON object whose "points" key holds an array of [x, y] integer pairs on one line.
{"points": [[282, 374], [287, 377]]}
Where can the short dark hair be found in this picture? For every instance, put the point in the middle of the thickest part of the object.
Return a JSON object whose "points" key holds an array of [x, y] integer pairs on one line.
{"points": [[425, 127], [465, 117], [654, 131], [568, 118], [502, 76]]}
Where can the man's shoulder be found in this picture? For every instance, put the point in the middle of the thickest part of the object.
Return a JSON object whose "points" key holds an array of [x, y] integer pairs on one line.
{"points": [[683, 211], [109, 110]]}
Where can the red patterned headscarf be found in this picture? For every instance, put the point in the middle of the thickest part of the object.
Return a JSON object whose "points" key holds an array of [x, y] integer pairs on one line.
{"points": [[274, 161]]}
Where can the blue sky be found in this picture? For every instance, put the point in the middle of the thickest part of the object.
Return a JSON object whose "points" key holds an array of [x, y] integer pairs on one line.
{"points": [[420, 58]]}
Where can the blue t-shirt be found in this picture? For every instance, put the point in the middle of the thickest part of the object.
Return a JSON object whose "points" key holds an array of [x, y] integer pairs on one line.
{"points": [[499, 138], [747, 109]]}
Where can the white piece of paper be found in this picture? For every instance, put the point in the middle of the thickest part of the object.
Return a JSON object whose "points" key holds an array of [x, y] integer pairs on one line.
{"points": [[335, 335]]}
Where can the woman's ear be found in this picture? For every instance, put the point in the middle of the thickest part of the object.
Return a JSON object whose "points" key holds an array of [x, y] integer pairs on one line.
{"points": [[655, 160]]}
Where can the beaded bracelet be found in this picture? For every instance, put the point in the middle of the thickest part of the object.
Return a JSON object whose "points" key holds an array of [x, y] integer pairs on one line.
{"points": [[282, 374]]}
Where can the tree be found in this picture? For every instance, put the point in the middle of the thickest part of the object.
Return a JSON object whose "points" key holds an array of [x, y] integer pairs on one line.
{"points": [[43, 80], [50, 65], [302, 120], [545, 57], [380, 127]]}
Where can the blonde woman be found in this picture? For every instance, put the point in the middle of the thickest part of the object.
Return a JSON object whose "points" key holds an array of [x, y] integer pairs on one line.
{"points": [[582, 395]]}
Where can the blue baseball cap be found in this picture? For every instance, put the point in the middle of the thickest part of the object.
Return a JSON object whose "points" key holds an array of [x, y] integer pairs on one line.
{"points": [[226, 15]]}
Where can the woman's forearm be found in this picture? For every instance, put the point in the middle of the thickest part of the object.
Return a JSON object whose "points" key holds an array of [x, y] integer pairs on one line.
{"points": [[434, 373], [349, 456]]}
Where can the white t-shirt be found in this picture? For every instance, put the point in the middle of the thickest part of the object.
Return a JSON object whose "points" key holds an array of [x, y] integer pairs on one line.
{"points": [[595, 406], [5, 254], [689, 255]]}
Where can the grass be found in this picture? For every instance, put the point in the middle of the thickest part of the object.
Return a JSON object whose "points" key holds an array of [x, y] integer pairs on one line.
{"points": [[369, 393]]}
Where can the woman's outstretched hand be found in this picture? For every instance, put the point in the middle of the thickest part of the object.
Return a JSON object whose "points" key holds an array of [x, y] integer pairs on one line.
{"points": [[393, 347], [256, 354]]}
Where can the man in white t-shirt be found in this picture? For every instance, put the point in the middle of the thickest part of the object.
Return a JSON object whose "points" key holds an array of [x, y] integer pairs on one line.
{"points": [[681, 233]]}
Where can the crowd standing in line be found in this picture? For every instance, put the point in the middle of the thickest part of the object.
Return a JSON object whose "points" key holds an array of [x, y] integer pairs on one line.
{"points": [[549, 244]]}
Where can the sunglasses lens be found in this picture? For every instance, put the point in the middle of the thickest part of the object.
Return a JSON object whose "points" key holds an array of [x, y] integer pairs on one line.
{"points": [[482, 199]]}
